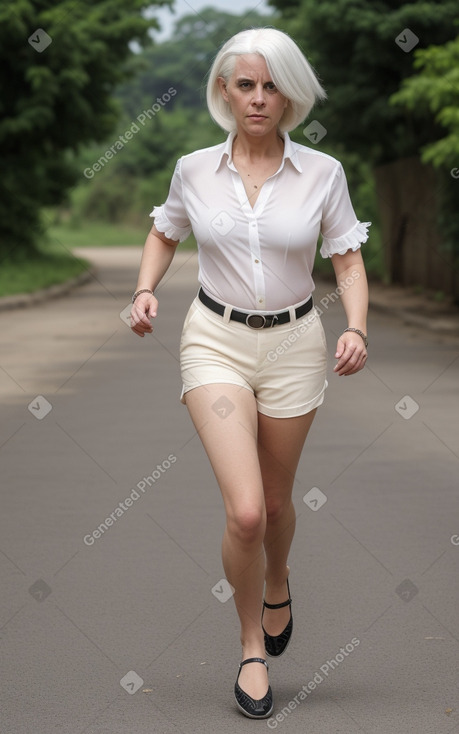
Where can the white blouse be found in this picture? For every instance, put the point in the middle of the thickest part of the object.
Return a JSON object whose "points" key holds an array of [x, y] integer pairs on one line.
{"points": [[260, 259]]}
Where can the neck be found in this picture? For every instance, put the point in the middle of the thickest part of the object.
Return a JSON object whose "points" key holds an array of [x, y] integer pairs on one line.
{"points": [[255, 147]]}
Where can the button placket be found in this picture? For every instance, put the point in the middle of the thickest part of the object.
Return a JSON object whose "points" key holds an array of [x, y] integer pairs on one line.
{"points": [[257, 267], [254, 240]]}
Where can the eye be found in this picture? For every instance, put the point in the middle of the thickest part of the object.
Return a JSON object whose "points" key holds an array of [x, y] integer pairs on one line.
{"points": [[271, 87], [245, 85]]}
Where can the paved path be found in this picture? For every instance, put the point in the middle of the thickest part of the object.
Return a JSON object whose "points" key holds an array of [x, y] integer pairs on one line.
{"points": [[374, 567]]}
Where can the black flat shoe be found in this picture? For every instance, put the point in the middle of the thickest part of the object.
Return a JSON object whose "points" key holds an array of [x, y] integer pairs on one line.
{"points": [[253, 708], [276, 645]]}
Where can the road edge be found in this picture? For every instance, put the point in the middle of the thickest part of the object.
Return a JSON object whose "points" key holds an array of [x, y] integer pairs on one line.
{"points": [[24, 300]]}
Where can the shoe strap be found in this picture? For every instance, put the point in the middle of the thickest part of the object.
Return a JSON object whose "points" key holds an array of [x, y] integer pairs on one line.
{"points": [[253, 660], [282, 604], [277, 606]]}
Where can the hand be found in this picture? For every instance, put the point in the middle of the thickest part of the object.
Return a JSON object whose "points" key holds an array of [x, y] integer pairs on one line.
{"points": [[351, 354], [143, 309]]}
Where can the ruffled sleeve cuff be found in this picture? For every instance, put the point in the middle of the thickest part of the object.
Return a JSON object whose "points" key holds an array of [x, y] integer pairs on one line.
{"points": [[163, 225], [349, 241]]}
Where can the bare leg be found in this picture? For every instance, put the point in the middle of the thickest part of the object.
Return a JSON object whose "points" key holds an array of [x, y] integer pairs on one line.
{"points": [[231, 445], [280, 442]]}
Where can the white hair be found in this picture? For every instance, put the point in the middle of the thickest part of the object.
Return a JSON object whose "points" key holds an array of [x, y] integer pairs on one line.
{"points": [[290, 71]]}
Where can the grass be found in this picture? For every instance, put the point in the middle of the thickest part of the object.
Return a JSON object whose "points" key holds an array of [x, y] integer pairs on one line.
{"points": [[33, 272], [54, 263], [98, 234], [103, 234]]}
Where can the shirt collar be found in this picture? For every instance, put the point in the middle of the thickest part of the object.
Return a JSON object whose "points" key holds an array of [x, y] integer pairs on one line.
{"points": [[289, 153]]}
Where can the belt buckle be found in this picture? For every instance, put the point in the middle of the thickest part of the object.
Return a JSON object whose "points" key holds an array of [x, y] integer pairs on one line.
{"points": [[258, 318]]}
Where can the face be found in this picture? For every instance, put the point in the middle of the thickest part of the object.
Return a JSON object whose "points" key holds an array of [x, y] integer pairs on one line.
{"points": [[256, 103]]}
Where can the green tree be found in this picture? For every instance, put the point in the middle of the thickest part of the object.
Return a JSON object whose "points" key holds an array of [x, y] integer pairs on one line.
{"points": [[60, 62], [363, 51], [352, 44], [434, 92], [139, 175], [184, 60]]}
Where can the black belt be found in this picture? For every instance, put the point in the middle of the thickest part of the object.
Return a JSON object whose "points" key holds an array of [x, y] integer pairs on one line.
{"points": [[255, 320]]}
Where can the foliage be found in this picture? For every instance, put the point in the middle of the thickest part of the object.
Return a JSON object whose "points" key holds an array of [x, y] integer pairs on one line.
{"points": [[352, 45], [434, 92], [32, 271], [139, 175], [56, 98], [184, 60]]}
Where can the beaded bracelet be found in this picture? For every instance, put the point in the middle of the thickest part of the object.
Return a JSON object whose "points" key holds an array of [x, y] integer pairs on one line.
{"points": [[143, 290]]}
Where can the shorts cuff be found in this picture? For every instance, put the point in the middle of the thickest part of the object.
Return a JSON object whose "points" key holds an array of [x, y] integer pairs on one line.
{"points": [[186, 388], [296, 410]]}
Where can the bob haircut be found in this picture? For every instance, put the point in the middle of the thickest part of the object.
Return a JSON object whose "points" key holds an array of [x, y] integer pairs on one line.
{"points": [[289, 69]]}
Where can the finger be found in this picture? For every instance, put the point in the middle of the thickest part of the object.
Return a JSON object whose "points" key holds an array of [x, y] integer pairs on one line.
{"points": [[140, 317], [140, 325], [137, 331], [353, 366], [138, 314], [350, 361], [153, 310], [140, 330], [345, 357], [340, 347]]}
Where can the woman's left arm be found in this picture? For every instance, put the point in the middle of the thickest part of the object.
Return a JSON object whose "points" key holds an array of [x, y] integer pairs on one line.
{"points": [[351, 351]]}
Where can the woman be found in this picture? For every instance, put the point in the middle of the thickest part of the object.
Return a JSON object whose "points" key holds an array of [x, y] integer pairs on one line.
{"points": [[253, 353]]}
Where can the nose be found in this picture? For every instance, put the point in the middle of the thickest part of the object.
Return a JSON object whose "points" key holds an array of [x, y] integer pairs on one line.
{"points": [[259, 96]]}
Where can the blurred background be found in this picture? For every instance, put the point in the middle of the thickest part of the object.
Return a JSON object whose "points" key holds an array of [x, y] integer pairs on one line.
{"points": [[105, 96]]}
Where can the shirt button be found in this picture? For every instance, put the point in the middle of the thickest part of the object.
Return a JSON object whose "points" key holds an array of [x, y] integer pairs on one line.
{"points": [[261, 300], [257, 261]]}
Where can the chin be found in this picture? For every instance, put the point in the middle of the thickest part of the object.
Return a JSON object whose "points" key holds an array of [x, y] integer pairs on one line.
{"points": [[255, 127]]}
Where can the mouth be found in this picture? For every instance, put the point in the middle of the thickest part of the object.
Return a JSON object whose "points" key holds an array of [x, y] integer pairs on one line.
{"points": [[257, 117]]}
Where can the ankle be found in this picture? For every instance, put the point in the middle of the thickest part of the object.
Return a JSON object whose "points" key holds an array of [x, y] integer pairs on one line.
{"points": [[254, 647], [277, 580]]}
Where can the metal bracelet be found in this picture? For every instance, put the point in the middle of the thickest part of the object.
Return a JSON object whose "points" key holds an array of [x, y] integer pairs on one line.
{"points": [[360, 333], [143, 290]]}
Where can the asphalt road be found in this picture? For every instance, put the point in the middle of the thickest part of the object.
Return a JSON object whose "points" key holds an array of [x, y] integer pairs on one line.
{"points": [[129, 628]]}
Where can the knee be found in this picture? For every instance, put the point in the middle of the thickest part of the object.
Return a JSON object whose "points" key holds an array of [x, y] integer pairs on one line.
{"points": [[276, 507], [247, 525]]}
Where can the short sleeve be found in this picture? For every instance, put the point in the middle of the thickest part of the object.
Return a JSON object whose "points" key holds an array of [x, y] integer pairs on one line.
{"points": [[340, 229], [171, 218]]}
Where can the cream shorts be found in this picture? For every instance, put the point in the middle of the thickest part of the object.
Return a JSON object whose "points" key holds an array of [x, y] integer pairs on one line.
{"points": [[284, 366]]}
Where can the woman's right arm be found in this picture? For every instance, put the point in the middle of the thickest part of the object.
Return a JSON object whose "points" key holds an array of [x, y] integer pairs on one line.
{"points": [[157, 255]]}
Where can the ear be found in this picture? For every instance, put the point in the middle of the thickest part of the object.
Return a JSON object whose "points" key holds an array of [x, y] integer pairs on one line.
{"points": [[223, 90]]}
